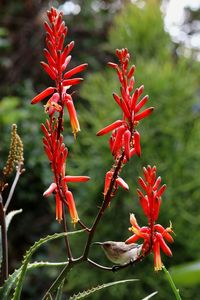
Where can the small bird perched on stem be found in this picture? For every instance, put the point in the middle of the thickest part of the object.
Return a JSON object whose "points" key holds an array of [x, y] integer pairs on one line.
{"points": [[120, 253]]}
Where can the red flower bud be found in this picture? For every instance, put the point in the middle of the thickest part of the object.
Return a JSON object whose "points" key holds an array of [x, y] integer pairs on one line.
{"points": [[144, 114], [75, 70], [137, 143], [75, 178], [122, 183], [47, 92], [50, 190], [110, 127]]}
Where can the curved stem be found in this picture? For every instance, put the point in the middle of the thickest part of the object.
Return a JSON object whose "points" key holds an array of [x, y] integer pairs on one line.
{"points": [[56, 283], [106, 202], [83, 225], [172, 284], [18, 173], [98, 265], [69, 253]]}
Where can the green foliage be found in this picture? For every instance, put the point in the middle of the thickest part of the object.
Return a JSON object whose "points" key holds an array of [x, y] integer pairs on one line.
{"points": [[87, 293], [9, 218], [15, 115], [141, 31], [27, 257], [60, 290], [187, 274], [5, 290]]}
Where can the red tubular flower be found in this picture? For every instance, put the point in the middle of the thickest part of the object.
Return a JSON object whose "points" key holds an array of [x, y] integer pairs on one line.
{"points": [[59, 208], [154, 235], [122, 183], [75, 178], [49, 91], [73, 117], [72, 207], [125, 139], [57, 154], [58, 58], [50, 190], [108, 179]]}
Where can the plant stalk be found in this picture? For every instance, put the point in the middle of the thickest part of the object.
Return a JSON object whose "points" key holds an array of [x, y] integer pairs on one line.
{"points": [[4, 273], [106, 202], [172, 284]]}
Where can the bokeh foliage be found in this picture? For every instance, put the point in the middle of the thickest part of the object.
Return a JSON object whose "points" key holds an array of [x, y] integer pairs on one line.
{"points": [[170, 139]]}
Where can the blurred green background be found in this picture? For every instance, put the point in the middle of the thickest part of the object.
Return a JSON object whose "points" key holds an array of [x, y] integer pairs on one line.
{"points": [[170, 138]]}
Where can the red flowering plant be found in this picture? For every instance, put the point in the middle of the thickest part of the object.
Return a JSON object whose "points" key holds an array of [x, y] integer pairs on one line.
{"points": [[58, 58], [124, 143], [154, 235]]}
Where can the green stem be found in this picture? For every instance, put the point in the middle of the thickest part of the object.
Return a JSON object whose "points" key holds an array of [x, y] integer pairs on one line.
{"points": [[172, 284]]}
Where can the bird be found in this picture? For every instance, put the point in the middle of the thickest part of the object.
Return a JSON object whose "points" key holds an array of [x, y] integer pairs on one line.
{"points": [[120, 253]]}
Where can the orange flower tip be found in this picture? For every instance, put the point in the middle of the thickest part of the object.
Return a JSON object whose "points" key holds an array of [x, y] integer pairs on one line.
{"points": [[75, 132]]}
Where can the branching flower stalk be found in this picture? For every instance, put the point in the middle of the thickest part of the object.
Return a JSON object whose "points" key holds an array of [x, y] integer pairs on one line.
{"points": [[15, 161], [58, 58], [124, 143], [125, 139]]}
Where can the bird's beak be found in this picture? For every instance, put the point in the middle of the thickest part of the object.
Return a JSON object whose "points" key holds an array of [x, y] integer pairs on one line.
{"points": [[97, 243]]}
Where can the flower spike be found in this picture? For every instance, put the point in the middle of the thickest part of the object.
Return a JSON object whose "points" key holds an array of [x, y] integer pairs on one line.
{"points": [[58, 57], [128, 140], [154, 235]]}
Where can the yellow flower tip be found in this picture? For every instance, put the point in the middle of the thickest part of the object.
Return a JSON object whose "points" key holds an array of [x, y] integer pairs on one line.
{"points": [[136, 123], [158, 268], [75, 221], [169, 229], [75, 129]]}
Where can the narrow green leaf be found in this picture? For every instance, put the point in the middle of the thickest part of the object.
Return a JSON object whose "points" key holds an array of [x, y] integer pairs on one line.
{"points": [[87, 293], [8, 285], [10, 216], [150, 296], [27, 257], [59, 292]]}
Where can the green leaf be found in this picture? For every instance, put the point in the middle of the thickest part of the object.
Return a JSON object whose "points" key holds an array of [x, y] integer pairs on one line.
{"points": [[86, 293], [10, 216], [59, 292], [150, 296], [9, 283], [186, 274], [27, 257]]}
